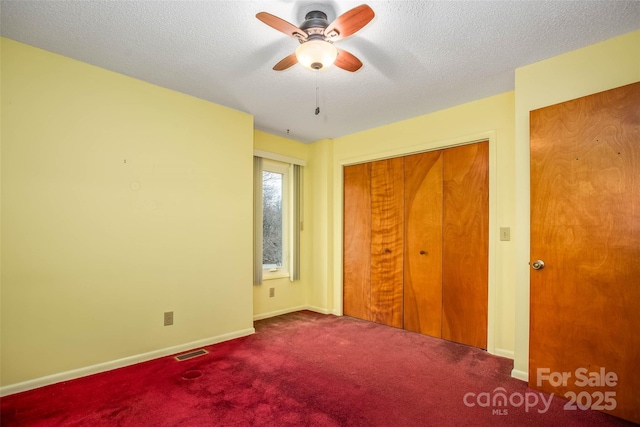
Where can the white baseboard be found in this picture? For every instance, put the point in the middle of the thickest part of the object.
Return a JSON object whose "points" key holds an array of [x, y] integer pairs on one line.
{"points": [[279, 312], [119, 363], [291, 310], [521, 375], [319, 309], [509, 354]]}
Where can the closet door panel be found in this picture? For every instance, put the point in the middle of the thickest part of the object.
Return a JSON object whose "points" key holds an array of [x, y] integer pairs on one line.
{"points": [[357, 241], [465, 244], [387, 213], [423, 243]]}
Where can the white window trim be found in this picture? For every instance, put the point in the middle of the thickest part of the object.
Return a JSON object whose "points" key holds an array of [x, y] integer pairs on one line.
{"points": [[279, 157]]}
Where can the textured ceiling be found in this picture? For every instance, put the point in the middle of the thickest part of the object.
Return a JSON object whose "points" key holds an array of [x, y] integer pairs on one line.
{"points": [[419, 56]]}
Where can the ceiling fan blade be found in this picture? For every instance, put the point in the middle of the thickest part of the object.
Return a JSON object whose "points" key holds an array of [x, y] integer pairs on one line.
{"points": [[347, 61], [286, 62], [349, 22], [282, 25]]}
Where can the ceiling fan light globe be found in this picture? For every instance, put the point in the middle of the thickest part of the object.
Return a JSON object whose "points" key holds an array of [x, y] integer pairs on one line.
{"points": [[316, 54]]}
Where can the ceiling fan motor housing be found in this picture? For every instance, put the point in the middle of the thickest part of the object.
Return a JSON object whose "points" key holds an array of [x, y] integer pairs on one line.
{"points": [[315, 23], [315, 20]]}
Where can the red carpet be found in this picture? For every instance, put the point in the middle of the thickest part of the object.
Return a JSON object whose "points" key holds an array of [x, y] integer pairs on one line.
{"points": [[304, 369]]}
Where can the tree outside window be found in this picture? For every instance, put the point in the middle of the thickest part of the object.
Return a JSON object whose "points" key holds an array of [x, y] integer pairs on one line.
{"points": [[272, 219]]}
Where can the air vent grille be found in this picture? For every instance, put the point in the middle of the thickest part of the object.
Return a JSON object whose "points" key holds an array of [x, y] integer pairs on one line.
{"points": [[191, 354]]}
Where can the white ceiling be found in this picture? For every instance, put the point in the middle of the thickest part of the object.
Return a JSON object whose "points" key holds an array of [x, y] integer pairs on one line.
{"points": [[419, 56]]}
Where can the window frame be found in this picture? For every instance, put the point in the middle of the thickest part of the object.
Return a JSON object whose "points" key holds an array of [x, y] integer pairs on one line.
{"points": [[284, 169]]}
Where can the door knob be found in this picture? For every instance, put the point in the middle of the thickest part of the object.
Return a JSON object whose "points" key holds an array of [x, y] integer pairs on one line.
{"points": [[423, 253], [537, 264]]}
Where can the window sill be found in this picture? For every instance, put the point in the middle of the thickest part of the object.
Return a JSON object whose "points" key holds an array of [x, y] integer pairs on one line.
{"points": [[275, 275]]}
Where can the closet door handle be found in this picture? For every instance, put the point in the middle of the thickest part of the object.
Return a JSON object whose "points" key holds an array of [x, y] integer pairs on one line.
{"points": [[537, 264], [423, 253], [387, 250]]}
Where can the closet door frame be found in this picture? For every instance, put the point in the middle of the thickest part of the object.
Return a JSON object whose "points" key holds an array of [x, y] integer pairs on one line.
{"points": [[493, 220]]}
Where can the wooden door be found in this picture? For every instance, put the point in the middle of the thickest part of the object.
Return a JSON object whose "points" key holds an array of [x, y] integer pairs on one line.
{"points": [[465, 248], [585, 226], [357, 241], [387, 200], [423, 243]]}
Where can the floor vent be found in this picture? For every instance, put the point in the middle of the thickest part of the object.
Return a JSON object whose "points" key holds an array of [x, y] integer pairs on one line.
{"points": [[191, 354]]}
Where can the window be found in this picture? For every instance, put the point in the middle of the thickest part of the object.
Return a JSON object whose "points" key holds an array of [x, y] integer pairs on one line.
{"points": [[277, 194], [275, 219]]}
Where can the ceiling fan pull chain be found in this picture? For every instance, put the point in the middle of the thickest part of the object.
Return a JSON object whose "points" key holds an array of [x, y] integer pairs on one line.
{"points": [[317, 96]]}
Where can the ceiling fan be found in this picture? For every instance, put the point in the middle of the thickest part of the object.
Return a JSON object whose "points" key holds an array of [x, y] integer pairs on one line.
{"points": [[316, 36]]}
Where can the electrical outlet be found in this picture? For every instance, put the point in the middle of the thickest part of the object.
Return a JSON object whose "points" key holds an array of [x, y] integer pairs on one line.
{"points": [[272, 292], [168, 318]]}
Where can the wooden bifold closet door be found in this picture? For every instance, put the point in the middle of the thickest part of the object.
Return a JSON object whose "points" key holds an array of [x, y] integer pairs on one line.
{"points": [[357, 242], [423, 242], [387, 243], [373, 241], [416, 242], [465, 247]]}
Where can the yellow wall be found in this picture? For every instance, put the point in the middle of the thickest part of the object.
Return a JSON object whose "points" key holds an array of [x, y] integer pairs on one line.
{"points": [[490, 118], [120, 200], [321, 293], [596, 68]]}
